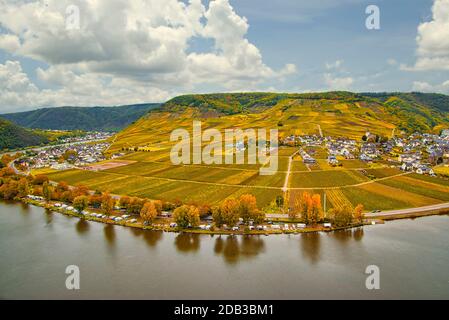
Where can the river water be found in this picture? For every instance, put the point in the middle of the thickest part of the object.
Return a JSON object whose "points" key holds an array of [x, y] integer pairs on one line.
{"points": [[36, 246]]}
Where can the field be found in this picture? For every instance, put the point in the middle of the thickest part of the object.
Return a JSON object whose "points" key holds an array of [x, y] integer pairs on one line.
{"points": [[149, 171], [150, 175]]}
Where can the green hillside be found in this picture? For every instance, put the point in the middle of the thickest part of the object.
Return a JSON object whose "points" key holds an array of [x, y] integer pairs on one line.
{"points": [[13, 136], [81, 118], [336, 113]]}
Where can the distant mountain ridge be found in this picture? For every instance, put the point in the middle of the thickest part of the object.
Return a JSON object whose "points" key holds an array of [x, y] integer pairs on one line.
{"points": [[81, 118], [13, 136]]}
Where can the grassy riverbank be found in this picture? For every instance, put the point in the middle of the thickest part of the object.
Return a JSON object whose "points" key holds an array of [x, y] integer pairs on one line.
{"points": [[167, 228]]}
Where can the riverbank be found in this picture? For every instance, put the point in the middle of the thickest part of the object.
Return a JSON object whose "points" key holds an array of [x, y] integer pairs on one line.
{"points": [[280, 222], [166, 227]]}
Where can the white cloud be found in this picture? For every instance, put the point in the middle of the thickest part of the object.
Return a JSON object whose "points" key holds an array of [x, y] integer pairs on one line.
{"points": [[422, 86], [338, 83], [140, 42], [9, 42], [334, 65], [433, 40], [17, 92]]}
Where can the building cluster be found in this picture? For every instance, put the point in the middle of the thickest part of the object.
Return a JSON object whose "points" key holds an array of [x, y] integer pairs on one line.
{"points": [[88, 136], [418, 152], [65, 156]]}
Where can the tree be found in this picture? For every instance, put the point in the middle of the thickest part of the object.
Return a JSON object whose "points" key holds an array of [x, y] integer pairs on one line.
{"points": [[358, 213], [316, 210], [96, 200], [124, 202], [40, 179], [135, 206], [186, 216], [306, 205], [80, 203], [67, 196], [47, 191], [9, 190], [218, 217], [342, 216], [7, 172], [248, 209], [80, 190], [23, 188], [205, 210], [158, 206], [107, 203], [148, 212], [230, 209], [280, 201], [62, 187]]}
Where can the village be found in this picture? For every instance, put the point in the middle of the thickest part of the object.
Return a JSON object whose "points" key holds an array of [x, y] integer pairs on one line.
{"points": [[418, 152], [72, 152]]}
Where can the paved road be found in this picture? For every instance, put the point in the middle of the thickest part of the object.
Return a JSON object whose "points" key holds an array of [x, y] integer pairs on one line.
{"points": [[441, 206], [287, 176], [436, 207], [321, 131]]}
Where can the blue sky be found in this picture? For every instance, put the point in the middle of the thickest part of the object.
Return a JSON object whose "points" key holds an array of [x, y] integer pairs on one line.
{"points": [[134, 51]]}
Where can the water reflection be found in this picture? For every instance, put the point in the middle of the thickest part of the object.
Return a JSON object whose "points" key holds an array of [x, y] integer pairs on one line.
{"points": [[109, 234], [234, 248], [152, 237], [344, 236], [311, 246], [48, 217], [187, 242], [24, 208], [82, 227]]}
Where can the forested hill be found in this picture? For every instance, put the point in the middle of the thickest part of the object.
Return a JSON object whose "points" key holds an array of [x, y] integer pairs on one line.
{"points": [[12, 136], [81, 118], [407, 111]]}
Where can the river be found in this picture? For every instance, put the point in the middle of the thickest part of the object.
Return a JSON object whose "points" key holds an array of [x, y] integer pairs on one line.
{"points": [[122, 263]]}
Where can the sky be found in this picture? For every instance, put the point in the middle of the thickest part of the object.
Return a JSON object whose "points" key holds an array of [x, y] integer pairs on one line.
{"points": [[118, 52]]}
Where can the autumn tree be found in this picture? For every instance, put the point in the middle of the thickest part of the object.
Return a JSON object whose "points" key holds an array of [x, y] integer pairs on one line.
{"points": [[47, 191], [80, 190], [342, 216], [358, 213], [158, 206], [9, 190], [186, 216], [107, 203], [149, 212], [205, 210], [218, 217], [124, 202], [248, 209], [67, 196], [135, 205], [40, 179], [316, 211], [96, 200], [306, 205], [80, 203], [7, 172], [229, 211], [23, 188], [62, 187]]}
